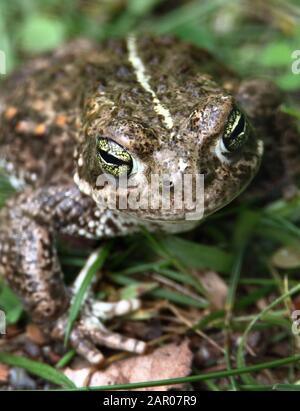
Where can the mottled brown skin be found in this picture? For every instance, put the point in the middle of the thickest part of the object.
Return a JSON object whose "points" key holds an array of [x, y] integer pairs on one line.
{"points": [[61, 102]]}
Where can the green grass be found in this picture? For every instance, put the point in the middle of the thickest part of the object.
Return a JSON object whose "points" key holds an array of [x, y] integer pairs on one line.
{"points": [[93, 264], [237, 242], [39, 369]]}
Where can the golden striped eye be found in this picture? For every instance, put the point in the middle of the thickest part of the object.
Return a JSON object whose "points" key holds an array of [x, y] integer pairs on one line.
{"points": [[113, 158], [236, 132]]}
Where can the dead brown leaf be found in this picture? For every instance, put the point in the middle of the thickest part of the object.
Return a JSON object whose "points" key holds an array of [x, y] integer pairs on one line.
{"points": [[215, 287], [287, 257], [80, 377], [169, 361], [4, 371]]}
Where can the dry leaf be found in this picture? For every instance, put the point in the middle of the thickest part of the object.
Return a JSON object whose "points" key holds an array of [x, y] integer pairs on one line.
{"points": [[287, 257], [170, 361], [79, 377], [80, 373], [4, 371], [215, 287]]}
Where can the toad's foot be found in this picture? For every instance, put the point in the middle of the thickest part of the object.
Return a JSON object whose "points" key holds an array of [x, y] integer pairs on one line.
{"points": [[89, 331]]}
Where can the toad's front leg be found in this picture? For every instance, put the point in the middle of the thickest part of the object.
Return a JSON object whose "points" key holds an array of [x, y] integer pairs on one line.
{"points": [[29, 262]]}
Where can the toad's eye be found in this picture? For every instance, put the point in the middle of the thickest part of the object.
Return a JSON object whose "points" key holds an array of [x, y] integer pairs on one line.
{"points": [[236, 132], [113, 158]]}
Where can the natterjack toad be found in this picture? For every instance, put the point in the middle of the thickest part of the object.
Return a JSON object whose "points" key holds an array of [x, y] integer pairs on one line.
{"points": [[134, 108]]}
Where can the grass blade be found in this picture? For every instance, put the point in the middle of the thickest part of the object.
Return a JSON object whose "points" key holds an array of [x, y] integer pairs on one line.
{"points": [[240, 352], [34, 367], [93, 264], [196, 255], [178, 298], [65, 359]]}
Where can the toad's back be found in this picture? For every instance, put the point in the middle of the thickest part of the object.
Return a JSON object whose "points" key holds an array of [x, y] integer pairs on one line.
{"points": [[42, 106]]}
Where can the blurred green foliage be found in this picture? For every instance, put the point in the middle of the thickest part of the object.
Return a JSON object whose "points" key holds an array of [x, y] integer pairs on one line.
{"points": [[10, 304], [253, 37]]}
